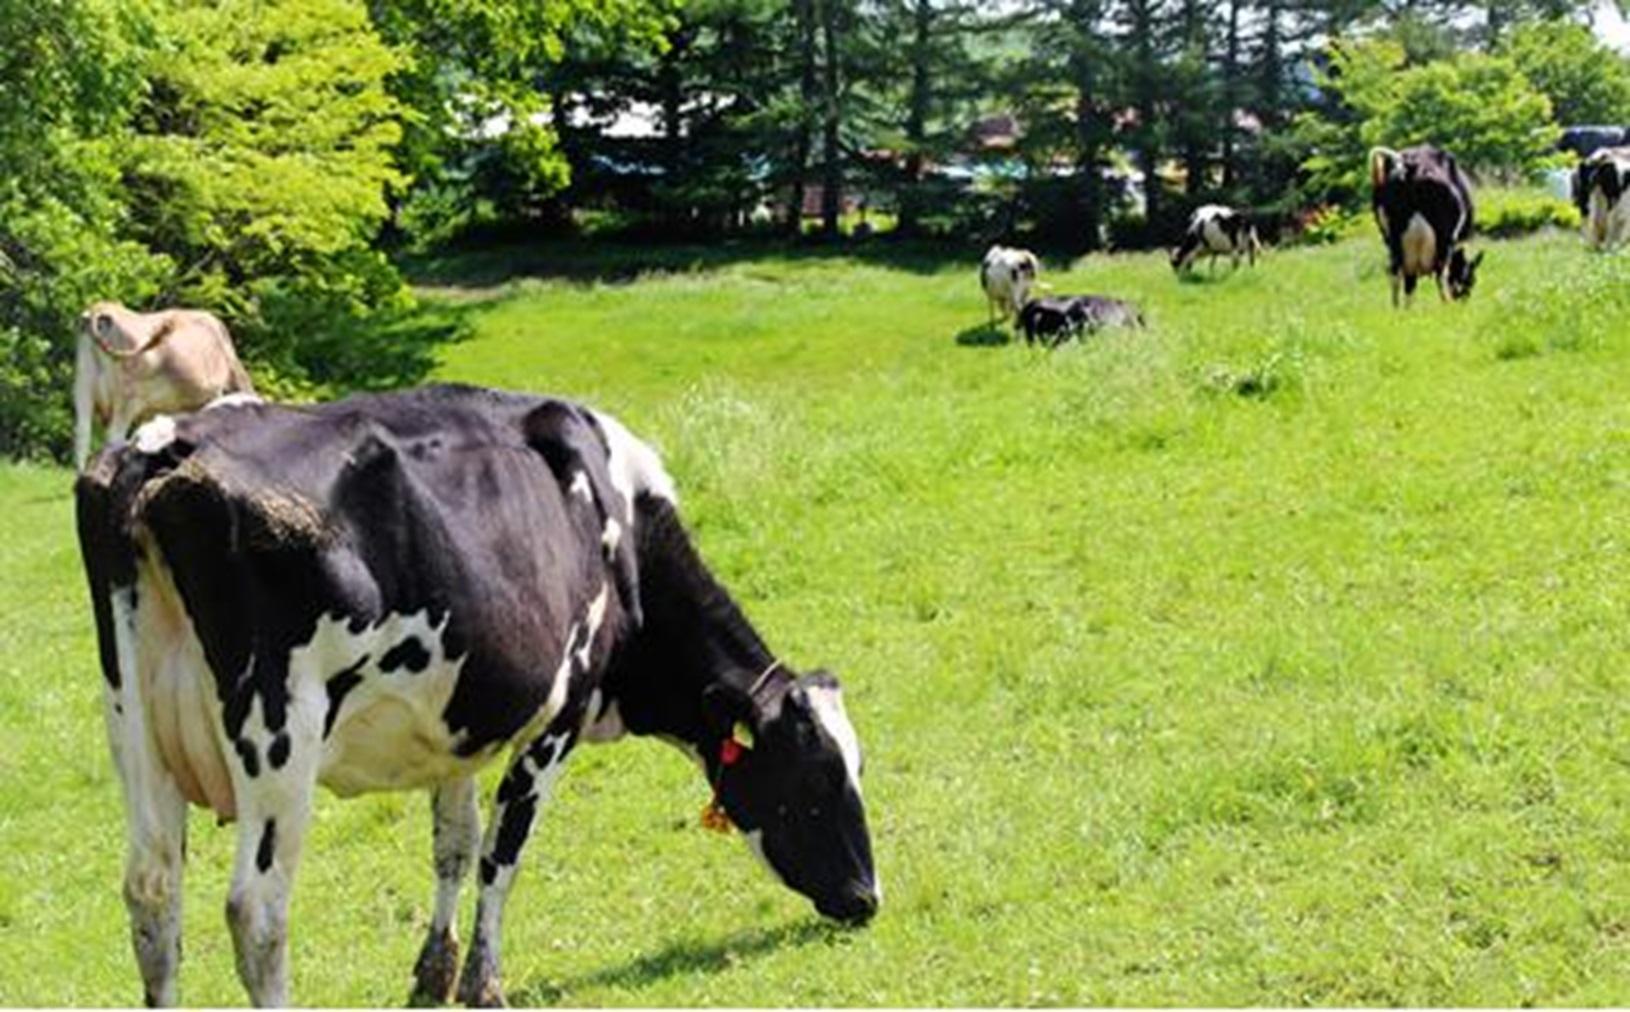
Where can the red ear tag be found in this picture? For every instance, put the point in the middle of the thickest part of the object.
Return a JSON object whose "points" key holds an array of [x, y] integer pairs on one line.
{"points": [[730, 752]]}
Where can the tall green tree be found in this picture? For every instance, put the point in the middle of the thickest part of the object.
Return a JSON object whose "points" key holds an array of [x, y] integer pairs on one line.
{"points": [[479, 129], [260, 161], [1586, 81], [70, 72]]}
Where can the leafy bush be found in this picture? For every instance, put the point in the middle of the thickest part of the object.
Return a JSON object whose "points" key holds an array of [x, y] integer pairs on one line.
{"points": [[1586, 81], [1328, 224], [1504, 212], [234, 156], [1479, 107]]}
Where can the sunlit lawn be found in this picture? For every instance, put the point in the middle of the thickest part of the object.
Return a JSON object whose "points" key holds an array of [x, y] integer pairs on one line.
{"points": [[1278, 654]]}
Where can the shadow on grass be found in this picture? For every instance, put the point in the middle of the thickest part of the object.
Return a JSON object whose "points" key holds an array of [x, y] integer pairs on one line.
{"points": [[1197, 276], [985, 335], [683, 957], [470, 271]]}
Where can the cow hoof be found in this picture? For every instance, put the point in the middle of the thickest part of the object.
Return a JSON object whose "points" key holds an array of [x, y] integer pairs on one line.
{"points": [[435, 972], [487, 995]]}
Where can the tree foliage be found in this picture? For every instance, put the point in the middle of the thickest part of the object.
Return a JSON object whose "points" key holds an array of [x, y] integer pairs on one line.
{"points": [[1586, 81]]}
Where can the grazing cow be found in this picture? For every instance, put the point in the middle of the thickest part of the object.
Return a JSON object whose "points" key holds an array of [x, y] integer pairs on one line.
{"points": [[1599, 185], [1052, 321], [1006, 275], [132, 366], [1585, 141], [386, 592], [1423, 206], [1214, 230]]}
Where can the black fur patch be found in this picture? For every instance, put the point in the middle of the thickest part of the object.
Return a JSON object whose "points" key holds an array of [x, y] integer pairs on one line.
{"points": [[251, 760], [268, 845], [278, 753], [409, 654], [339, 686]]}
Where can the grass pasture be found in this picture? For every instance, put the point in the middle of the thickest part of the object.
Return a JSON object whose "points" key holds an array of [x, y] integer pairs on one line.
{"points": [[1275, 655]]}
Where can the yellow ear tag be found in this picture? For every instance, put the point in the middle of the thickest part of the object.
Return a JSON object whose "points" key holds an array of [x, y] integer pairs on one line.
{"points": [[714, 818], [742, 734]]}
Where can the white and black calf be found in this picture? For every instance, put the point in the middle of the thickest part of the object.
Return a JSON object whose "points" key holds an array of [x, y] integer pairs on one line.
{"points": [[1599, 185], [1056, 319], [1423, 206], [385, 593], [1216, 230]]}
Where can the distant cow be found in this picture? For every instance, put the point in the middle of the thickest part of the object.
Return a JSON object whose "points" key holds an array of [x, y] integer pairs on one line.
{"points": [[1599, 185], [1423, 205], [388, 593], [132, 366], [1006, 275], [1585, 141], [1054, 320], [1214, 229]]}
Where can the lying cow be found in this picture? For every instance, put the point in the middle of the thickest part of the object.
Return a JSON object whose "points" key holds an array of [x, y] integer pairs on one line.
{"points": [[1054, 320], [1006, 275], [1216, 230], [387, 592], [1423, 205], [1599, 185], [131, 366]]}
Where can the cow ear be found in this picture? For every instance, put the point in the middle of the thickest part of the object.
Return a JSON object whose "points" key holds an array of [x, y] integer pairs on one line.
{"points": [[724, 706]]}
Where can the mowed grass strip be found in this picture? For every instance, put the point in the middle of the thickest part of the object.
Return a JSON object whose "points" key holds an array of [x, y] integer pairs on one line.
{"points": [[1276, 654]]}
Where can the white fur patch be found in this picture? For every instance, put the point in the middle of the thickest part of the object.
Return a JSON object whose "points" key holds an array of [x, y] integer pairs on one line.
{"points": [[634, 466], [580, 487], [827, 705], [602, 723], [174, 688], [389, 732], [234, 400], [155, 435], [1420, 246]]}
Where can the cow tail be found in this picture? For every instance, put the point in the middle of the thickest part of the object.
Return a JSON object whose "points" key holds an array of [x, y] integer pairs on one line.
{"points": [[1381, 162], [159, 334]]}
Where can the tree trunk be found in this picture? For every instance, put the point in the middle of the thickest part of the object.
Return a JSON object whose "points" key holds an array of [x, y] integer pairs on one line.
{"points": [[922, 97], [671, 93], [1230, 89], [1145, 74], [831, 121], [803, 140]]}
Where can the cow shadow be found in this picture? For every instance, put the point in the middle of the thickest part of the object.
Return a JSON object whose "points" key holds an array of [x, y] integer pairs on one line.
{"points": [[691, 956], [985, 335]]}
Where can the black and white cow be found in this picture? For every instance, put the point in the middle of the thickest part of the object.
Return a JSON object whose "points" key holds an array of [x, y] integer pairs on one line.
{"points": [[1056, 319], [1005, 276], [386, 592], [1423, 205], [1214, 230], [1599, 185]]}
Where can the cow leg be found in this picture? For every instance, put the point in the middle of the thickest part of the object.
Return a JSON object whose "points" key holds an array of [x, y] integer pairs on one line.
{"points": [[457, 829], [273, 779], [155, 817], [525, 787], [1410, 281], [84, 402], [1396, 281]]}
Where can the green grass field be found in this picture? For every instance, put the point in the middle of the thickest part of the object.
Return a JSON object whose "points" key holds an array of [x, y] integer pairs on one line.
{"points": [[1278, 654]]}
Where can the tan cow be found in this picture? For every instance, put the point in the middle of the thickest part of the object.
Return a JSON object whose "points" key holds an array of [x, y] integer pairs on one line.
{"points": [[132, 366]]}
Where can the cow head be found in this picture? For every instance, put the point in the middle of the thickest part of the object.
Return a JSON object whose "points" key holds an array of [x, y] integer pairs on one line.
{"points": [[101, 323], [1462, 273], [794, 790]]}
